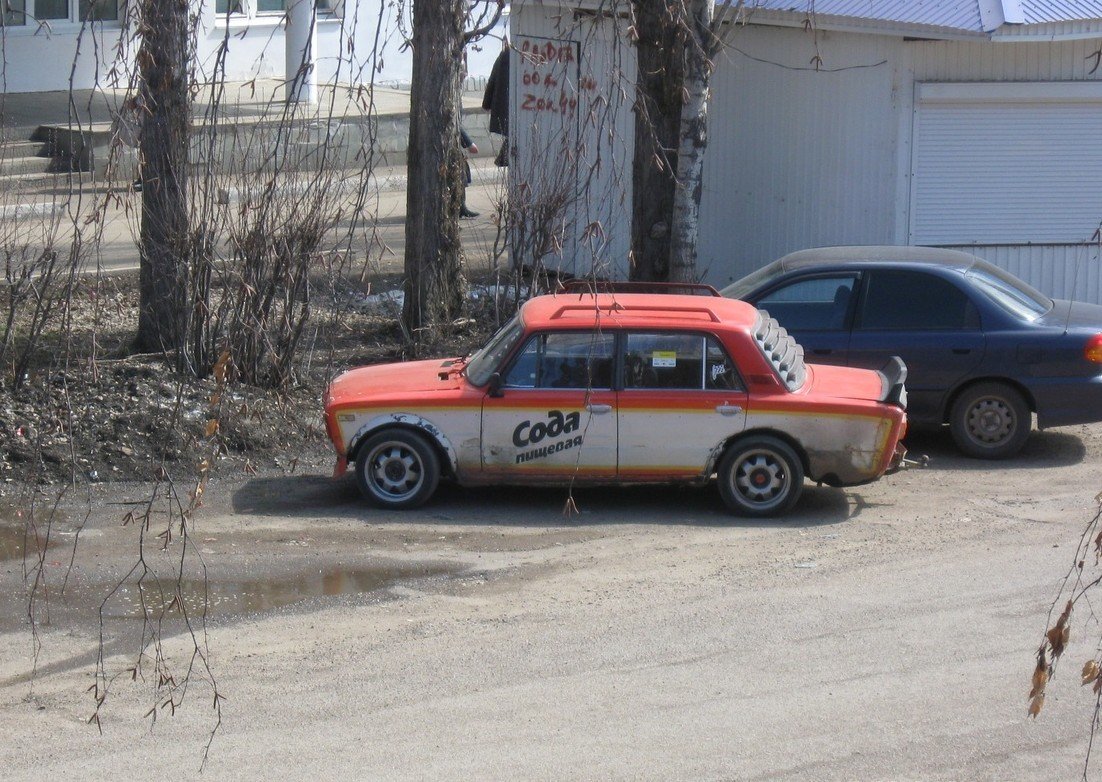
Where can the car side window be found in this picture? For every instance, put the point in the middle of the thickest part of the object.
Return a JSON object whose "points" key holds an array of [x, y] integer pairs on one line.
{"points": [[578, 359], [719, 370], [677, 361], [813, 304], [898, 299]]}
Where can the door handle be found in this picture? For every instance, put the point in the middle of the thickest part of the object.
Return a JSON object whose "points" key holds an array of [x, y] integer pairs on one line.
{"points": [[598, 409], [962, 351], [726, 409]]}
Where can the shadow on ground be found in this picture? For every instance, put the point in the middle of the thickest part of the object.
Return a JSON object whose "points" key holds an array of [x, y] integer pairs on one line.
{"points": [[1042, 449], [526, 506]]}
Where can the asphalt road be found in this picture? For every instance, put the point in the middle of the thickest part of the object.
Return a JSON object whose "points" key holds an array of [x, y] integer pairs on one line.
{"points": [[378, 241], [880, 633]]}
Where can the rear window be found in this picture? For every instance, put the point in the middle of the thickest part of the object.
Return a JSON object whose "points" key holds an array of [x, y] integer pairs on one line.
{"points": [[781, 351], [1009, 292]]}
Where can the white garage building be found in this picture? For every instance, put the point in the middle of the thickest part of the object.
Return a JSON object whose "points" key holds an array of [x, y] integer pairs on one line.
{"points": [[970, 124]]}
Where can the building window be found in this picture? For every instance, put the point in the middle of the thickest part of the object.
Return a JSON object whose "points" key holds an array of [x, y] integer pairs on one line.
{"points": [[271, 6], [51, 9], [20, 12], [14, 13], [223, 7], [98, 10]]}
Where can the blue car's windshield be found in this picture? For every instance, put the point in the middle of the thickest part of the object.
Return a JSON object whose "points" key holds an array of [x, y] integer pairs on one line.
{"points": [[1010, 293], [487, 358], [751, 282]]}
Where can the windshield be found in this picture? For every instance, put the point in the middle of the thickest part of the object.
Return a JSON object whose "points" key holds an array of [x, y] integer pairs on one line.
{"points": [[1009, 292], [739, 289], [488, 358]]}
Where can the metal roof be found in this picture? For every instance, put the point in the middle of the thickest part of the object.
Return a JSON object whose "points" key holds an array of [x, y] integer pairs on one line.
{"points": [[967, 17]]}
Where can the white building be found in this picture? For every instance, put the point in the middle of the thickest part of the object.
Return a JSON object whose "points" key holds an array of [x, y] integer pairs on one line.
{"points": [[357, 42], [954, 123]]}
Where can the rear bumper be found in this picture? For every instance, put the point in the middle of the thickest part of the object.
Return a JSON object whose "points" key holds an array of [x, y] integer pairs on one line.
{"points": [[1066, 401], [897, 462]]}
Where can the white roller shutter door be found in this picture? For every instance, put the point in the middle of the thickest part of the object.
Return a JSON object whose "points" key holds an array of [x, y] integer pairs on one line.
{"points": [[1006, 163]]}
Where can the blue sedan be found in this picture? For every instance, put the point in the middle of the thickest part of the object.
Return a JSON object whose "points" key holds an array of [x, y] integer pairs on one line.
{"points": [[983, 349]]}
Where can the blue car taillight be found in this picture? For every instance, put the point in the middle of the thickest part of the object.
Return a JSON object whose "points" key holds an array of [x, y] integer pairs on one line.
{"points": [[1093, 350]]}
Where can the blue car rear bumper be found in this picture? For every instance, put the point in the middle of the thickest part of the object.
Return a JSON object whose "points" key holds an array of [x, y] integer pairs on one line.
{"points": [[1063, 401]]}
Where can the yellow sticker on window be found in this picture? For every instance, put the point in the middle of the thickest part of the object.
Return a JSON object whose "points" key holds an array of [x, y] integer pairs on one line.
{"points": [[664, 358]]}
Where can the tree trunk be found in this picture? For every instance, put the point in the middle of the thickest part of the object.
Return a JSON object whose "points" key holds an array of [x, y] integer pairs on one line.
{"points": [[661, 74], [694, 141], [163, 103], [434, 287]]}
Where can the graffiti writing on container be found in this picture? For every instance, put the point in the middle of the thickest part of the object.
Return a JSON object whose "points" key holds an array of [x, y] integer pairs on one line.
{"points": [[548, 450], [547, 52], [566, 104]]}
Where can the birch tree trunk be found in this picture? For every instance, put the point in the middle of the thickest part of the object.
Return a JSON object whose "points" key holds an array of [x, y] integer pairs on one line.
{"points": [[660, 50], [163, 104], [694, 141], [434, 285]]}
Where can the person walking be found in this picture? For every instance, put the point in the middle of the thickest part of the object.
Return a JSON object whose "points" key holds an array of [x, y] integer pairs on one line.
{"points": [[496, 101]]}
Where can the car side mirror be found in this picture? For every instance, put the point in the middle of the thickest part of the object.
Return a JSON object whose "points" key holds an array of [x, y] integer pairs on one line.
{"points": [[495, 385]]}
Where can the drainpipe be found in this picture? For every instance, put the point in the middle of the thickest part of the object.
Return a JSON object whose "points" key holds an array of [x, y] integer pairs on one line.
{"points": [[301, 36]]}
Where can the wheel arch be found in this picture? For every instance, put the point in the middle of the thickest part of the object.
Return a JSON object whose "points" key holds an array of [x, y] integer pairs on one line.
{"points": [[764, 431], [952, 397], [449, 460]]}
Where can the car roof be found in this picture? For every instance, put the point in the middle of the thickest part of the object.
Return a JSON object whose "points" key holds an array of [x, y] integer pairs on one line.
{"points": [[824, 256], [649, 310]]}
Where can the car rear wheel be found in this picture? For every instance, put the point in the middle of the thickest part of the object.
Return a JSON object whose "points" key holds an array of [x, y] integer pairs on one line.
{"points": [[760, 476], [990, 421], [397, 469]]}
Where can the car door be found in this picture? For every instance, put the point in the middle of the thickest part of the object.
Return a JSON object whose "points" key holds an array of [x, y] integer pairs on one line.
{"points": [[682, 395], [817, 310], [553, 416], [929, 322]]}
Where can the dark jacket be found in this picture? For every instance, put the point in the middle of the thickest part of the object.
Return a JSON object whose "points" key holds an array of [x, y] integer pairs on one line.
{"points": [[496, 99]]}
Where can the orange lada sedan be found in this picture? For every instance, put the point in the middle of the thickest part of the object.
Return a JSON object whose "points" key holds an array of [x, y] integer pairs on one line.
{"points": [[621, 388]]}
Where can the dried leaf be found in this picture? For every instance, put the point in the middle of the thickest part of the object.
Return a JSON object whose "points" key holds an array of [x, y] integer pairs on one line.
{"points": [[1036, 704], [1040, 679], [221, 367], [211, 428], [1090, 671], [1057, 639]]}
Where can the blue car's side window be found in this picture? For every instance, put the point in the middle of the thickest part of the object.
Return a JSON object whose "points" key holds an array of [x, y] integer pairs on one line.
{"points": [[897, 300], [811, 304]]}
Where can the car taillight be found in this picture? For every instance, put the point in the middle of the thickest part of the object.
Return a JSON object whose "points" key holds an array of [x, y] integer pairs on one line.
{"points": [[1093, 350]]}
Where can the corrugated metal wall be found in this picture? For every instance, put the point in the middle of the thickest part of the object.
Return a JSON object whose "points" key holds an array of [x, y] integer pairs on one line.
{"points": [[802, 157], [799, 158]]}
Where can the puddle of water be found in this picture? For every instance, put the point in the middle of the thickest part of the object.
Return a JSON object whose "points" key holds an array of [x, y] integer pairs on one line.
{"points": [[247, 596], [11, 542]]}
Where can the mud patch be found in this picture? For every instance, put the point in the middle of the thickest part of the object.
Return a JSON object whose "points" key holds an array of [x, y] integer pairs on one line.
{"points": [[235, 597], [11, 541]]}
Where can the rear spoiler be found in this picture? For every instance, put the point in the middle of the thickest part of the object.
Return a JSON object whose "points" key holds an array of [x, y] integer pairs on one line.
{"points": [[893, 377]]}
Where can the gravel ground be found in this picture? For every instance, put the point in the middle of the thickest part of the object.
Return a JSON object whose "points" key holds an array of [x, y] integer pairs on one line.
{"points": [[885, 632]]}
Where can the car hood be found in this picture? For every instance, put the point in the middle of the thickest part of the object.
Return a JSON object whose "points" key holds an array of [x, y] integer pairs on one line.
{"points": [[1072, 314], [404, 377], [846, 382]]}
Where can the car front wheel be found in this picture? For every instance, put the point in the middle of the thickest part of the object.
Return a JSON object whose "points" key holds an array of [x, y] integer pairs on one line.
{"points": [[990, 421], [397, 469], [760, 476]]}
